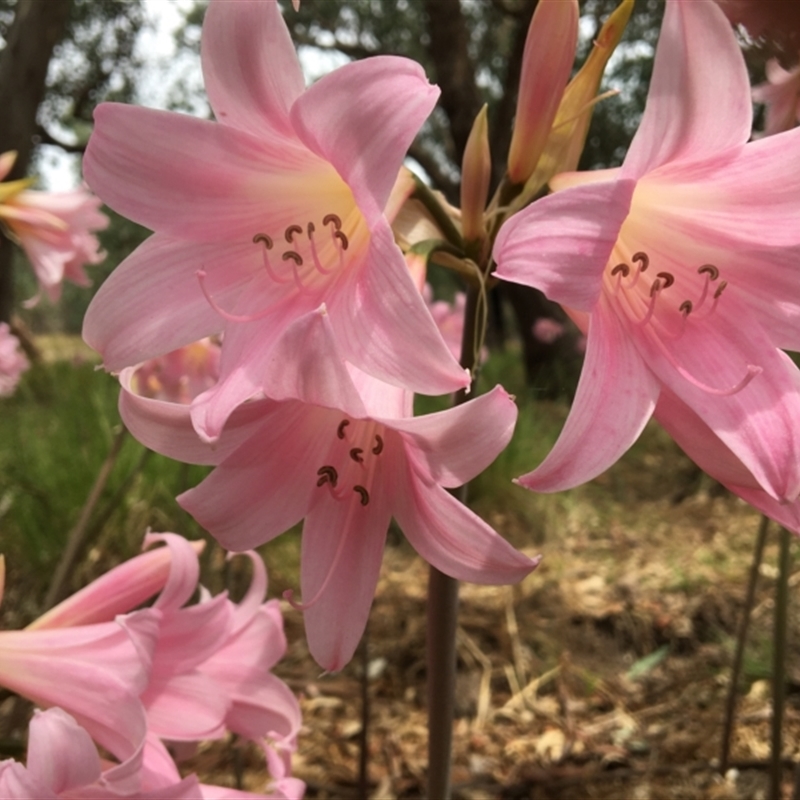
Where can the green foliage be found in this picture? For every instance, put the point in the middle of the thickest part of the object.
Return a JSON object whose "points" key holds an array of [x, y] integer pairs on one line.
{"points": [[55, 434]]}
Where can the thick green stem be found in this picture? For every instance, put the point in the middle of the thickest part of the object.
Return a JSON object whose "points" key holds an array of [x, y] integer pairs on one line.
{"points": [[779, 666], [443, 616]]}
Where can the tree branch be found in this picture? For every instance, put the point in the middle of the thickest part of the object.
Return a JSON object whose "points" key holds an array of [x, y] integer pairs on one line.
{"points": [[441, 180], [354, 51]]}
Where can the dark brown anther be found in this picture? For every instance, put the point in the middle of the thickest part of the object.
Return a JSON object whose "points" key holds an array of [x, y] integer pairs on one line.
{"points": [[296, 257], [643, 259], [686, 307], [623, 268], [364, 494], [262, 237], [335, 219], [342, 425], [720, 289], [343, 239], [291, 231], [378, 449], [710, 270], [310, 228], [656, 287], [668, 277], [328, 474], [355, 454]]}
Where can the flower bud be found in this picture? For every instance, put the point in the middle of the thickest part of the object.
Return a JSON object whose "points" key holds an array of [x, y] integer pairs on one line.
{"points": [[476, 173], [546, 64]]}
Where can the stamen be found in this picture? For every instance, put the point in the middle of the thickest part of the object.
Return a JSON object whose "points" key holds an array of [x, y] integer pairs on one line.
{"points": [[685, 308], [342, 238], [201, 279], [290, 231], [314, 254], [328, 474], [262, 237], [654, 290], [335, 219], [378, 449], [710, 270], [342, 425], [355, 454], [364, 494], [752, 371], [643, 259], [296, 257], [623, 268], [668, 277], [720, 289], [291, 255]]}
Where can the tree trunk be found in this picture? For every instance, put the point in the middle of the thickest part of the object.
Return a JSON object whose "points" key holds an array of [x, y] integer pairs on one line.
{"points": [[38, 26]]}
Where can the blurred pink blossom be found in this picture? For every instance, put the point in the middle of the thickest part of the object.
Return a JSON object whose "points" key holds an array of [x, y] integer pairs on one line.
{"points": [[781, 95], [12, 361], [55, 229], [181, 375], [547, 330]]}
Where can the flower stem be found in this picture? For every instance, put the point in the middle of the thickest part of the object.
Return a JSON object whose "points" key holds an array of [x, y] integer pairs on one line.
{"points": [[779, 666], [443, 613]]}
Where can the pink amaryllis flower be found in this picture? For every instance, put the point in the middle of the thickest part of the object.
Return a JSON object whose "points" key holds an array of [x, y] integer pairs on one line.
{"points": [[340, 449], [55, 229], [681, 266], [264, 214], [12, 361]]}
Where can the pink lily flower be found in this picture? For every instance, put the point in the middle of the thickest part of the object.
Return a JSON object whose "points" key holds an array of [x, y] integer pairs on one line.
{"points": [[681, 266], [55, 229], [12, 361], [341, 450], [265, 214], [781, 95]]}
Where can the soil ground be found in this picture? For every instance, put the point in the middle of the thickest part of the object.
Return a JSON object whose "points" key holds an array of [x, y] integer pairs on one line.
{"points": [[603, 675]]}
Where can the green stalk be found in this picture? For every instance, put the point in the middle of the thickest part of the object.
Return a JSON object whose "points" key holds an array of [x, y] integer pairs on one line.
{"points": [[779, 666]]}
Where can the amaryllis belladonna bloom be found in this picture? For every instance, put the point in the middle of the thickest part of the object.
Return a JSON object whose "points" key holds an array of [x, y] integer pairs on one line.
{"points": [[264, 214], [12, 361], [55, 229], [339, 449], [682, 267]]}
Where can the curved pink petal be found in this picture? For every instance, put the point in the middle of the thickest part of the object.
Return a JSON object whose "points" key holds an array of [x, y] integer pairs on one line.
{"points": [[616, 396], [250, 68], [118, 591], [383, 326], [305, 364], [153, 303], [459, 443], [709, 452], [266, 708], [699, 98], [263, 496], [17, 783], [61, 754], [219, 188], [454, 539], [744, 387], [186, 707], [362, 118], [183, 574], [561, 243], [342, 548]]}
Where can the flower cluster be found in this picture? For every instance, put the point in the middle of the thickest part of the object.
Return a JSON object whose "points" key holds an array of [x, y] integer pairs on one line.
{"points": [[273, 230], [55, 229], [127, 680]]}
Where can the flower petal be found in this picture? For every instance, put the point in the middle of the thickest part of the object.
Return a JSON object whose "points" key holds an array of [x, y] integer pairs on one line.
{"points": [[384, 328], [699, 98], [454, 539], [459, 443], [362, 118], [250, 68], [340, 560], [138, 163], [265, 487], [615, 397], [565, 260]]}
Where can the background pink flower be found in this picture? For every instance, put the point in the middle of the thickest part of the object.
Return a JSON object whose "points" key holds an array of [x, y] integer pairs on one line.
{"points": [[12, 361]]}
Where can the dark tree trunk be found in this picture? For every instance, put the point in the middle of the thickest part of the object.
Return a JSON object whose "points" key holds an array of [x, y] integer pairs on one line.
{"points": [[38, 26]]}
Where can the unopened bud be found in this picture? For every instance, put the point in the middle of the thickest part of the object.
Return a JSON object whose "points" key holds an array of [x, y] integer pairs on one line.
{"points": [[476, 172], [546, 64]]}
